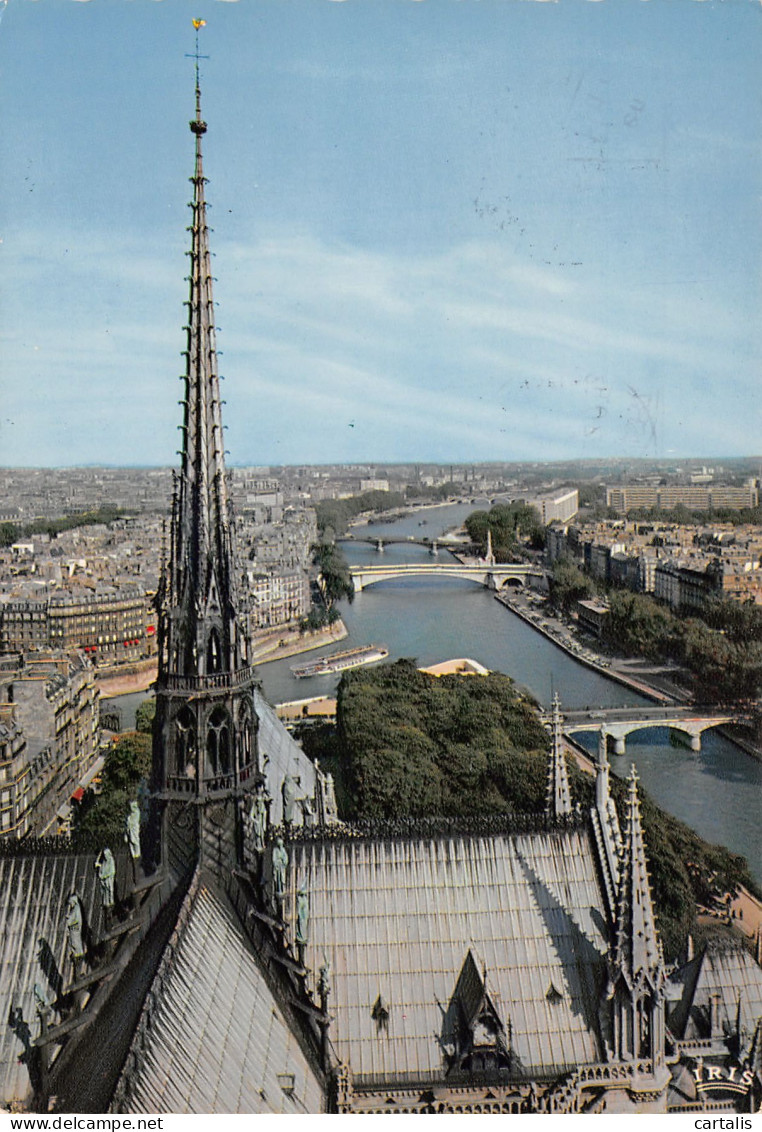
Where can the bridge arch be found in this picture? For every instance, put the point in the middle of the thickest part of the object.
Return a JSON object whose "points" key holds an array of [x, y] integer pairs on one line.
{"points": [[492, 577], [692, 729]]}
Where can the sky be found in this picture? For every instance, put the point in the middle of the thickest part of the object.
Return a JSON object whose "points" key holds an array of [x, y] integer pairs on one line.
{"points": [[444, 230]]}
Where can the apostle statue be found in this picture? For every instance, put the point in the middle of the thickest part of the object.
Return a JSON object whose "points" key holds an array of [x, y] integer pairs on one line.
{"points": [[324, 981], [289, 793], [302, 921], [280, 866], [105, 867], [132, 837], [258, 820], [74, 933]]}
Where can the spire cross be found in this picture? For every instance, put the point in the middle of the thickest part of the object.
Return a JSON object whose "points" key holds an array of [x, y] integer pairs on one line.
{"points": [[195, 54]]}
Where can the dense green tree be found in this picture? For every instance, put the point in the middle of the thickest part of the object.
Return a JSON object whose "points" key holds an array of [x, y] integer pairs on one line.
{"points": [[100, 819], [9, 534], [638, 624], [126, 769], [511, 526], [128, 762], [334, 571], [568, 585], [412, 742], [145, 714], [440, 492], [334, 515]]}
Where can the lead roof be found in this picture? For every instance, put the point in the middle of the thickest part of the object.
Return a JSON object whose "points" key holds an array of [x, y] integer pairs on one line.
{"points": [[284, 756], [34, 892], [397, 919], [213, 1039]]}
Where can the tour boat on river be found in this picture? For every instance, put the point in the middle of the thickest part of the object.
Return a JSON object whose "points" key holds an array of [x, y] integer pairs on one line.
{"points": [[339, 661]]}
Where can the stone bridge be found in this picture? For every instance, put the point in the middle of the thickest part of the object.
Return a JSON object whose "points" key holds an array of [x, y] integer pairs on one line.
{"points": [[618, 723], [493, 577]]}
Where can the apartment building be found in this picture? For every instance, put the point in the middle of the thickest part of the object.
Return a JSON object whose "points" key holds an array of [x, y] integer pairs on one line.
{"points": [[48, 741], [696, 497]]}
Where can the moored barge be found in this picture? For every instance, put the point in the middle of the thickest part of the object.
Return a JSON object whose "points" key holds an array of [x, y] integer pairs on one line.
{"points": [[339, 661]]}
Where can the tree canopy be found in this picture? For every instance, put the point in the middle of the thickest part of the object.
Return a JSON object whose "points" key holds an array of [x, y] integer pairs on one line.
{"points": [[145, 714], [334, 515], [100, 817], [511, 525], [334, 570]]}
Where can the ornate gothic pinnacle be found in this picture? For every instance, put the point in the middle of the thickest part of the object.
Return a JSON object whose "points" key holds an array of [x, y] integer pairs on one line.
{"points": [[637, 951], [558, 796]]}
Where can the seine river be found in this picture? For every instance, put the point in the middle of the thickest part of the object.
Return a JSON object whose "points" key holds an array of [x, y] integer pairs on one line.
{"points": [[716, 791]]}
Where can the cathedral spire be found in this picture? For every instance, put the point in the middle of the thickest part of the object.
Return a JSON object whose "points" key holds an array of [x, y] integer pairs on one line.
{"points": [[557, 797], [205, 728], [203, 635]]}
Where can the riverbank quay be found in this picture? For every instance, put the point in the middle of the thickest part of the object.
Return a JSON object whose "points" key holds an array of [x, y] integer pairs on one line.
{"points": [[613, 669], [596, 664], [137, 677], [318, 707], [366, 517], [281, 644]]}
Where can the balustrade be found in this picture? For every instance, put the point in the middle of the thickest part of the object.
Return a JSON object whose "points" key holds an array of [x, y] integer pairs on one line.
{"points": [[211, 682], [214, 784]]}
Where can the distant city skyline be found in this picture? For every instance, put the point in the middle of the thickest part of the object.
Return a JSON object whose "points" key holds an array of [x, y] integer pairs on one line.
{"points": [[453, 233]]}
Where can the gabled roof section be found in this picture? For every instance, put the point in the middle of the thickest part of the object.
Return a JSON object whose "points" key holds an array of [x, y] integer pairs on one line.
{"points": [[398, 916], [725, 970], [212, 1038], [34, 892], [637, 951], [280, 755]]}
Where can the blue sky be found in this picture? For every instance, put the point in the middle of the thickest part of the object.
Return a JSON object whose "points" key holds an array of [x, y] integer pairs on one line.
{"points": [[451, 230]]}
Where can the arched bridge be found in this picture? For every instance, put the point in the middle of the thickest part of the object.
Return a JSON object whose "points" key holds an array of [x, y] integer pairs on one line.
{"points": [[493, 577], [382, 541], [618, 723]]}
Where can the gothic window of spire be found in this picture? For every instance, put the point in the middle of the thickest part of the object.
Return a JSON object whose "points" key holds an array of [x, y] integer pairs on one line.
{"points": [[218, 742], [213, 655], [185, 744]]}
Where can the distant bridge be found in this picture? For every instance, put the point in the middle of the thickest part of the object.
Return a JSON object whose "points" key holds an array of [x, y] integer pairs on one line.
{"points": [[617, 723], [493, 577], [381, 541]]}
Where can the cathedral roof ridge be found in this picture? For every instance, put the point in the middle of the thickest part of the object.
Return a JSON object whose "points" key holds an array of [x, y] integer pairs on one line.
{"points": [[436, 827]]}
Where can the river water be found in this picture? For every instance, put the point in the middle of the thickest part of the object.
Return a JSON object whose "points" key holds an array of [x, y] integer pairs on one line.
{"points": [[716, 791]]}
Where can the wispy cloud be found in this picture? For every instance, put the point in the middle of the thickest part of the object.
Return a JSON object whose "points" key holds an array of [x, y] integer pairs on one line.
{"points": [[335, 352]]}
